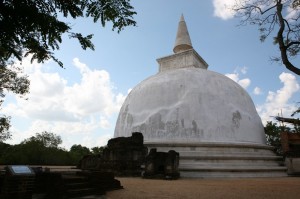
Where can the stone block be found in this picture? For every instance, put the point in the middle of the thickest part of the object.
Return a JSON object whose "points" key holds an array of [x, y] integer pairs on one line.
{"points": [[123, 156], [293, 165], [162, 165]]}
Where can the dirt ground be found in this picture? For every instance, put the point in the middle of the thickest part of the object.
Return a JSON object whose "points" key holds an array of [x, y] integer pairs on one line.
{"points": [[273, 188]]}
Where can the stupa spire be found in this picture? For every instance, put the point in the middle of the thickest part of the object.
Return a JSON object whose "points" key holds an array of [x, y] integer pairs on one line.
{"points": [[183, 41]]}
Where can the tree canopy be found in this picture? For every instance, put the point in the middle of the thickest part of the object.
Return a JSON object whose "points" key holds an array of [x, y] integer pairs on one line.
{"points": [[273, 130], [43, 149], [10, 80], [36, 27], [39, 149], [279, 16], [77, 151], [46, 139], [33, 26]]}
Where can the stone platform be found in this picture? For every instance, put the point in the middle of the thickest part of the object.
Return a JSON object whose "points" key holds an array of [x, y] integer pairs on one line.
{"points": [[219, 160]]}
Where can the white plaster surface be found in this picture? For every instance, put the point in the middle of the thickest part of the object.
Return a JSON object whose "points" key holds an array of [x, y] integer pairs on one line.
{"points": [[190, 105], [183, 40], [186, 59]]}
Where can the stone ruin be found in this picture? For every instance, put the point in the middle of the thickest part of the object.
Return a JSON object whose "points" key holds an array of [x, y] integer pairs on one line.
{"points": [[125, 156], [37, 182], [162, 165], [290, 143]]}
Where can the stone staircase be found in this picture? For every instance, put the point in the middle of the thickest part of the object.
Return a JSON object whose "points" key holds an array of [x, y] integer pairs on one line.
{"points": [[79, 186], [223, 160], [89, 184]]}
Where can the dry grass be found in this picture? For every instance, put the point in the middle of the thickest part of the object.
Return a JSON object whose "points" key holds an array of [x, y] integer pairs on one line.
{"points": [[137, 188]]}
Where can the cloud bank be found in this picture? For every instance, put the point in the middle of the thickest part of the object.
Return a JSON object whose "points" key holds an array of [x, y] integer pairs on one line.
{"points": [[77, 109], [235, 76], [222, 9], [277, 102]]}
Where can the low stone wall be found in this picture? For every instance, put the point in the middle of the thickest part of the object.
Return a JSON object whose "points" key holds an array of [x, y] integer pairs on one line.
{"points": [[291, 149], [290, 143], [123, 156], [162, 165]]}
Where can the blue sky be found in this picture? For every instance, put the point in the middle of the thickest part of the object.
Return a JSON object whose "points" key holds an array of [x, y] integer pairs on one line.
{"points": [[81, 102]]}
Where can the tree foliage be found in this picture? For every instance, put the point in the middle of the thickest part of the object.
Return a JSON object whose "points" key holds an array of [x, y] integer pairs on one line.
{"points": [[41, 149], [45, 139], [11, 80], [36, 27], [279, 16], [97, 150], [77, 151], [4, 128], [273, 131], [33, 26]]}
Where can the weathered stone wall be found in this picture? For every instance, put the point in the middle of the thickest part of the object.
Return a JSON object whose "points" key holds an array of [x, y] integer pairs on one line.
{"points": [[162, 165], [123, 156], [290, 143]]}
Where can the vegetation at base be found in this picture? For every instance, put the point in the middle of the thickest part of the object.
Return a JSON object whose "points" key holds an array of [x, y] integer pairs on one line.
{"points": [[43, 149], [273, 130]]}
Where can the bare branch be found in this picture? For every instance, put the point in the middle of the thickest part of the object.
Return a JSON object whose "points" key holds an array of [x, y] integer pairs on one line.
{"points": [[268, 15], [293, 43]]}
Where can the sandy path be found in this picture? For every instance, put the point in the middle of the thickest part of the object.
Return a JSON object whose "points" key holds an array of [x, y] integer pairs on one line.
{"points": [[136, 188]]}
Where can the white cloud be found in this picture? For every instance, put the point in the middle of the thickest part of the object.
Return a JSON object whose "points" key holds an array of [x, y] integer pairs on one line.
{"points": [[233, 76], [242, 82], [104, 123], [102, 140], [222, 9], [292, 13], [257, 91], [95, 93], [81, 108], [244, 70], [51, 98], [278, 102], [129, 90]]}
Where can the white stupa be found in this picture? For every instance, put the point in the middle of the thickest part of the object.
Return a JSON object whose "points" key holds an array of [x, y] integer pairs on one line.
{"points": [[205, 116]]}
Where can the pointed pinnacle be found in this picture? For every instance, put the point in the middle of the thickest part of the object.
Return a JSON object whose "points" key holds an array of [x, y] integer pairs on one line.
{"points": [[183, 41]]}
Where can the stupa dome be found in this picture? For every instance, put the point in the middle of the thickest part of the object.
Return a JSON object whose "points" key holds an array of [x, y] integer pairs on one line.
{"points": [[207, 118], [190, 105], [187, 103]]}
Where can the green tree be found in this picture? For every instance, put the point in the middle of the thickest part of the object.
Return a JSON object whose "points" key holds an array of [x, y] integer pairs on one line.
{"points": [[41, 149], [46, 139], [3, 150], [272, 16], [4, 128], [273, 131], [97, 150], [11, 80], [77, 152], [33, 27]]}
